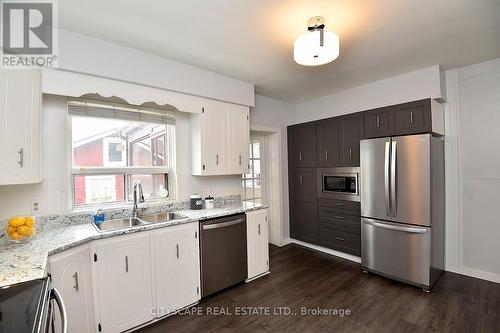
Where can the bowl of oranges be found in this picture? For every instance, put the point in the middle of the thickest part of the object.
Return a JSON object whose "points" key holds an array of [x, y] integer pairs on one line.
{"points": [[20, 228]]}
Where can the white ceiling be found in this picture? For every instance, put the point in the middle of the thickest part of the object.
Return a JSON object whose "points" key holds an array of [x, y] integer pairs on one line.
{"points": [[252, 40]]}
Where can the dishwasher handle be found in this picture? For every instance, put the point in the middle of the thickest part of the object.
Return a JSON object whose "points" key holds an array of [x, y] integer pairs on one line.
{"points": [[54, 294], [222, 225]]}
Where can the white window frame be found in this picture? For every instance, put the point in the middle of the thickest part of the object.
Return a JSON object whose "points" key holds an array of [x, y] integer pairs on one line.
{"points": [[168, 169], [262, 178]]}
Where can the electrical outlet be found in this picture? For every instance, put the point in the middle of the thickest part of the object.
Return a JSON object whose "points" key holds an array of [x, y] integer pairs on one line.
{"points": [[35, 206]]}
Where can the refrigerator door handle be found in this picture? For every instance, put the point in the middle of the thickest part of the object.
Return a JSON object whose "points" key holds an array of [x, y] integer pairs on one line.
{"points": [[386, 178], [394, 168], [413, 230]]}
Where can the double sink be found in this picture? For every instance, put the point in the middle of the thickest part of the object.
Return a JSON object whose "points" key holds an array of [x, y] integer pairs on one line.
{"points": [[131, 222]]}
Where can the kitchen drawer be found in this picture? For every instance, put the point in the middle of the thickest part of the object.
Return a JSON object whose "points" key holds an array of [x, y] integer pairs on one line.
{"points": [[338, 222], [353, 215], [352, 205], [340, 240], [340, 206]]}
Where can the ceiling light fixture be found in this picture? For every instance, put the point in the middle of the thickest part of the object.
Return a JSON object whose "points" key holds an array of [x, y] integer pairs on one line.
{"points": [[317, 46]]}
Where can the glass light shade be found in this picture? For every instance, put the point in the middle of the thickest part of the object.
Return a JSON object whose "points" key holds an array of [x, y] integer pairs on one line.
{"points": [[308, 52]]}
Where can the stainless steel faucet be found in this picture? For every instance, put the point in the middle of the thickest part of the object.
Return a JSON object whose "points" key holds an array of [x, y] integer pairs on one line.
{"points": [[138, 197]]}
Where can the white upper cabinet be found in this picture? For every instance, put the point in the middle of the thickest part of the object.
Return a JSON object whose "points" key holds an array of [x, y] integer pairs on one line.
{"points": [[257, 242], [71, 276], [219, 139], [176, 267], [20, 127], [124, 281], [238, 139]]}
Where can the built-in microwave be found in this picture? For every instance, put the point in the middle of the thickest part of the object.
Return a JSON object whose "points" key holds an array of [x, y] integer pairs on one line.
{"points": [[339, 183]]}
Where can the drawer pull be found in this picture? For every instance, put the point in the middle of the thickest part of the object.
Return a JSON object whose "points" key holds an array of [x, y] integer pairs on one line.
{"points": [[339, 217], [340, 239], [338, 204]]}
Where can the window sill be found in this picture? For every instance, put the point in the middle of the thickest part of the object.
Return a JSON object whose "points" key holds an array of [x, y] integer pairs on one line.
{"points": [[111, 207]]}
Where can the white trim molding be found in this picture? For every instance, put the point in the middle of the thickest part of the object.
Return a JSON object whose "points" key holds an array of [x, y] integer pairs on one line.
{"points": [[323, 249]]}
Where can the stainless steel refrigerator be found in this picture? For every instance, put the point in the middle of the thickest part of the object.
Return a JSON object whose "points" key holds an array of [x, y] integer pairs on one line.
{"points": [[402, 208]]}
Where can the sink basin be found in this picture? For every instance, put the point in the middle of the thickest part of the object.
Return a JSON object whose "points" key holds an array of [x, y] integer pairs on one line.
{"points": [[163, 217], [118, 224]]}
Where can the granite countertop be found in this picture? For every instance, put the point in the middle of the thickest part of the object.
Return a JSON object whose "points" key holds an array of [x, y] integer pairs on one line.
{"points": [[27, 260]]}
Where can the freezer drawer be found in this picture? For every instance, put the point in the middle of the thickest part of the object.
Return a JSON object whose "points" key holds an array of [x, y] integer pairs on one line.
{"points": [[396, 250]]}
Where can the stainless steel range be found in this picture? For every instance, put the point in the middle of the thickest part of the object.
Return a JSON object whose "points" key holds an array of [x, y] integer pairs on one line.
{"points": [[402, 208], [29, 307]]}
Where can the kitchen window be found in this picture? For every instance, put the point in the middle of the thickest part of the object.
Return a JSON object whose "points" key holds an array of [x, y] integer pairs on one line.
{"points": [[113, 146], [253, 181]]}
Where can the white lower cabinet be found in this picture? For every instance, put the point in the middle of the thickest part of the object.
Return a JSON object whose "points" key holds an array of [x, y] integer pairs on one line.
{"points": [[71, 276], [176, 267], [123, 281], [257, 242]]}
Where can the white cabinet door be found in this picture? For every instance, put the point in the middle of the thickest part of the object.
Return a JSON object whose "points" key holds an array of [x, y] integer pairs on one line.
{"points": [[20, 127], [238, 139], [257, 243], [124, 281], [70, 271], [176, 267], [220, 136], [214, 140]]}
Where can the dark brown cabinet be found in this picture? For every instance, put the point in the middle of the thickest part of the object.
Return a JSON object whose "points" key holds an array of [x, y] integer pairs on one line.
{"points": [[351, 130], [303, 205], [340, 225], [414, 117], [302, 145], [304, 221], [303, 184], [335, 142], [327, 143], [380, 122]]}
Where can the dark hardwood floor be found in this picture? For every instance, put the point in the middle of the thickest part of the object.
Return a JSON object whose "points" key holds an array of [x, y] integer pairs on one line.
{"points": [[304, 278]]}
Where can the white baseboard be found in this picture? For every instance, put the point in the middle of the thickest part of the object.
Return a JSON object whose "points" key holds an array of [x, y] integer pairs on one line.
{"points": [[475, 273], [324, 250]]}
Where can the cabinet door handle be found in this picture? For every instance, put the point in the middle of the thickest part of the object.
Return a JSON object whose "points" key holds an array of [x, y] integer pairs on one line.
{"points": [[177, 250], [240, 159], [339, 217], [126, 264], [75, 276], [258, 228], [300, 156], [340, 239], [378, 121], [300, 179], [326, 154], [21, 157], [350, 152], [217, 159], [411, 117]]}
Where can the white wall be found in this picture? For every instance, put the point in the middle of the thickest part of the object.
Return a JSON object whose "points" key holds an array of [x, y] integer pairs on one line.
{"points": [[473, 170], [83, 54], [276, 114], [419, 84], [52, 193]]}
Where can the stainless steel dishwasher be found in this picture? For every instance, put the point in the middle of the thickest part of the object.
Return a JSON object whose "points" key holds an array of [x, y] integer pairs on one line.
{"points": [[223, 253]]}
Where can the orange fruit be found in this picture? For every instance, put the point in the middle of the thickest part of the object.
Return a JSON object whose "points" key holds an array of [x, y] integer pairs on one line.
{"points": [[29, 221], [17, 221]]}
